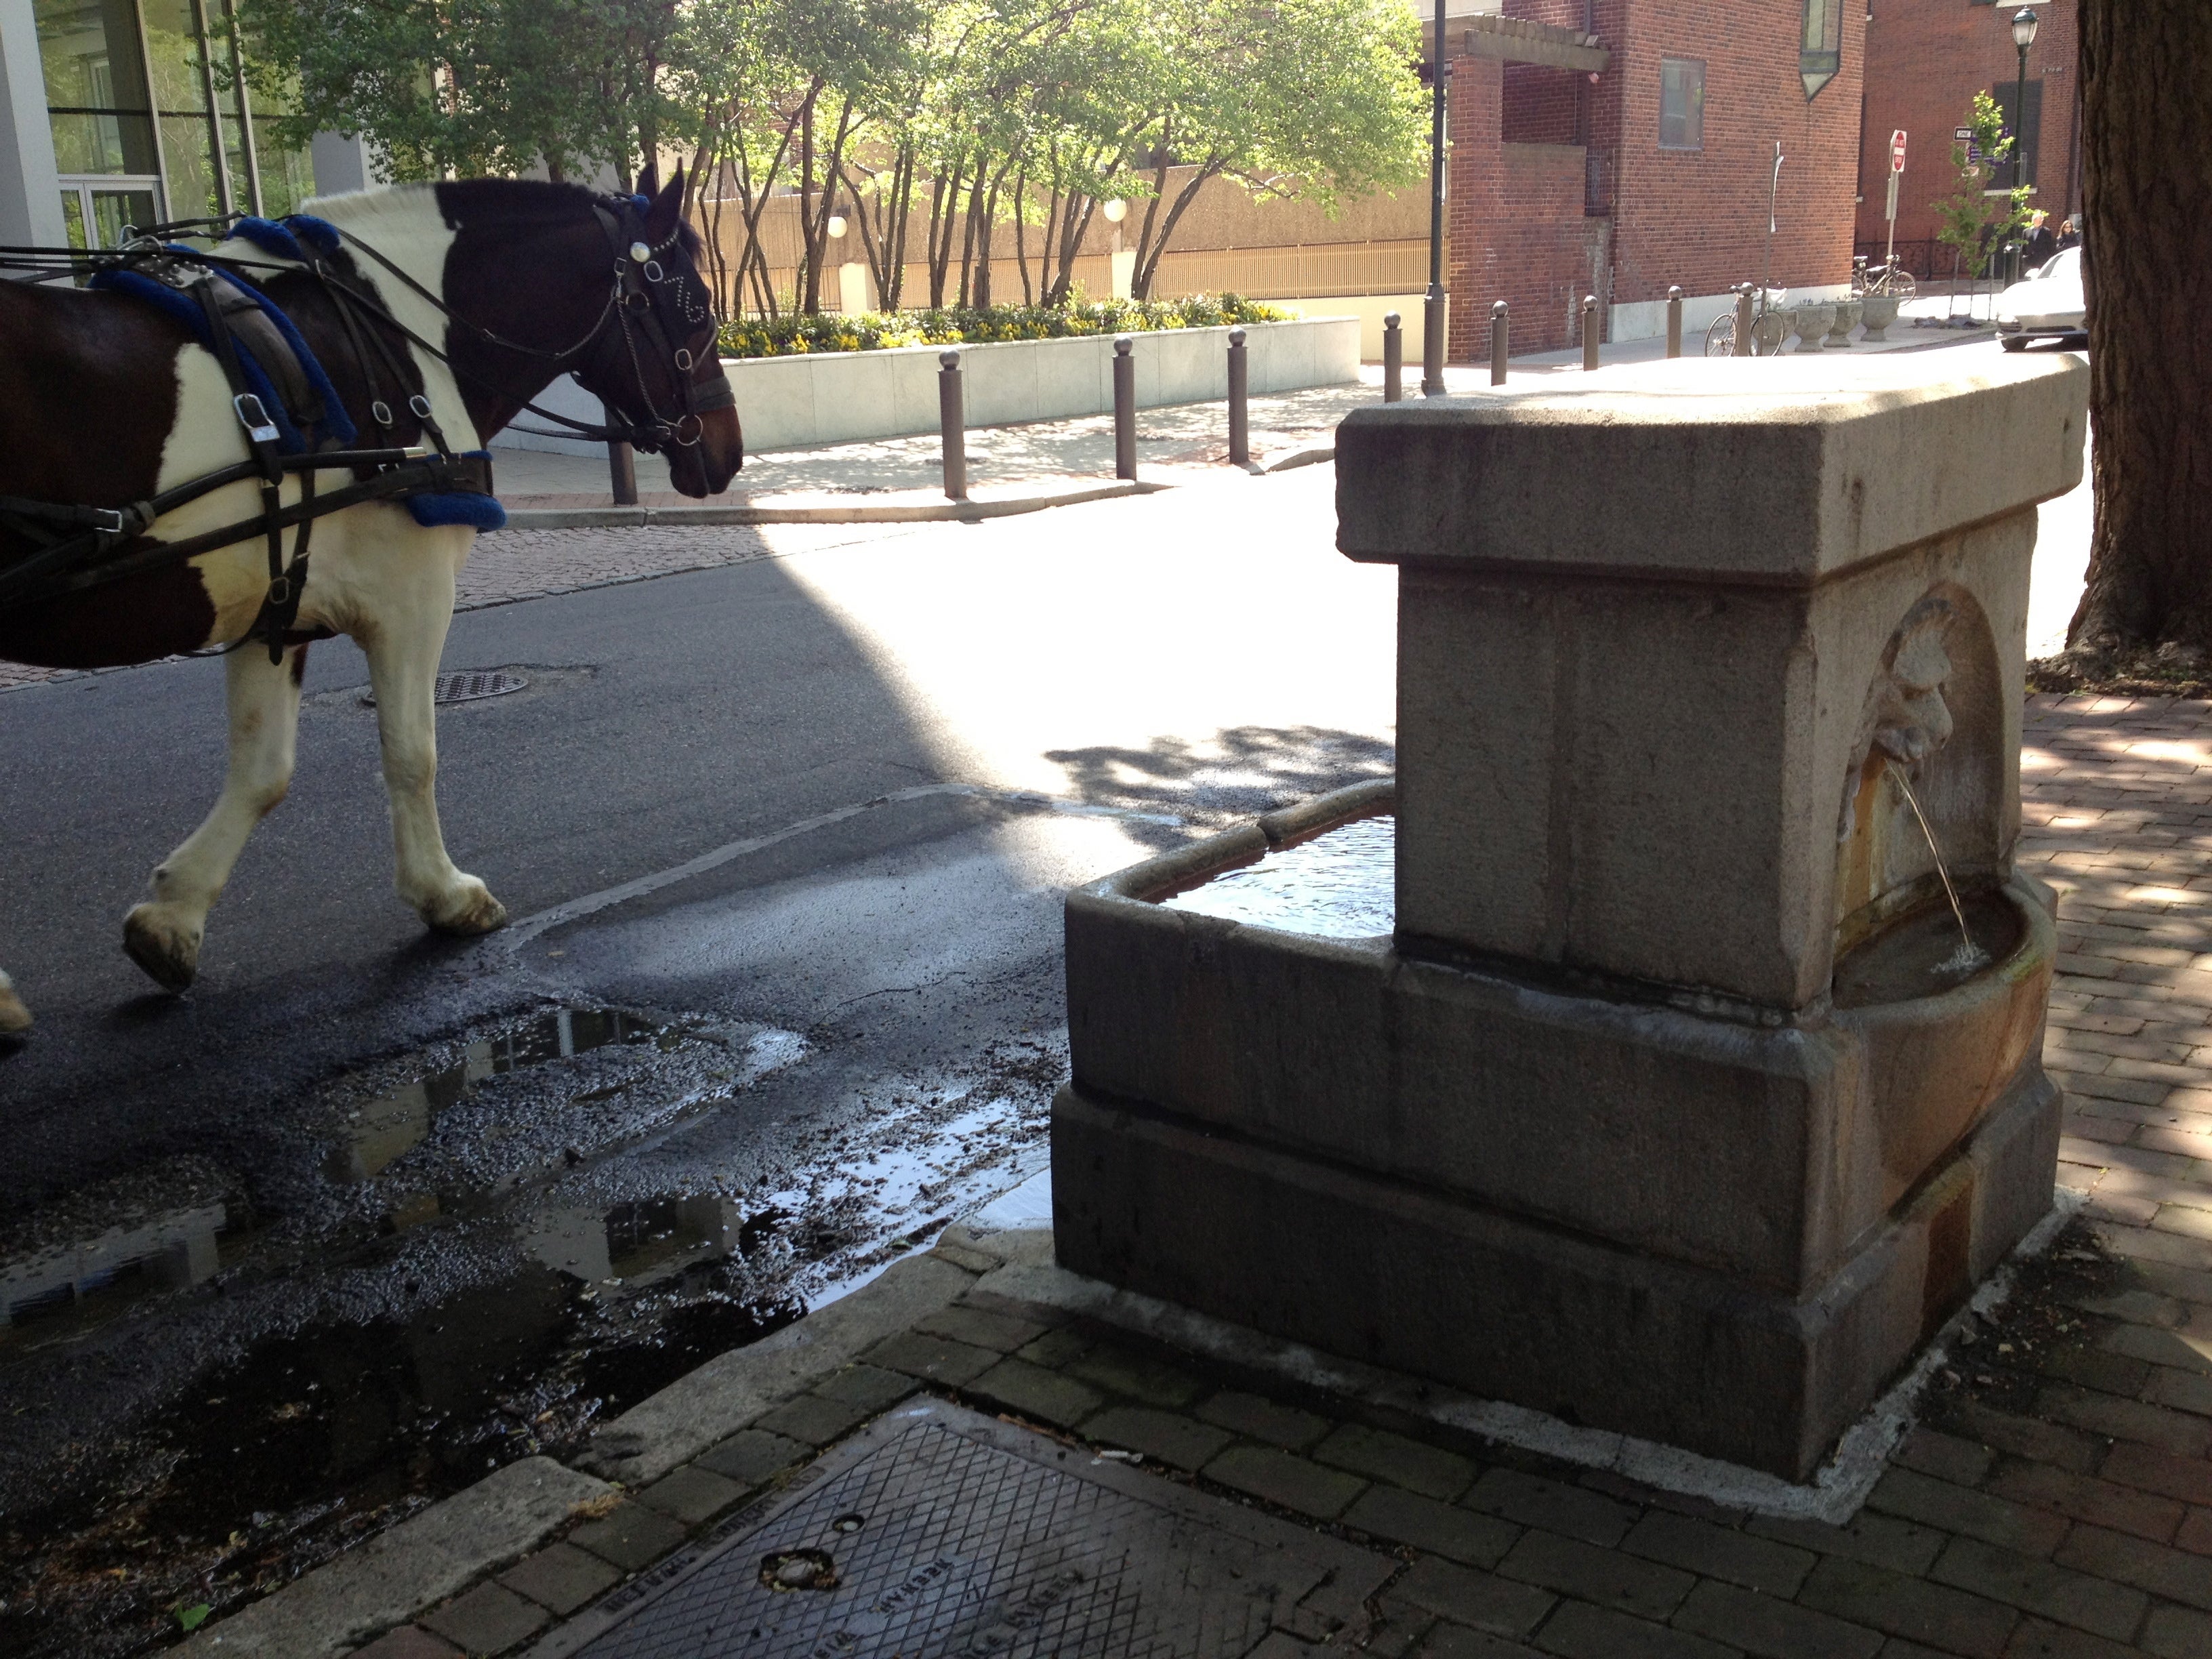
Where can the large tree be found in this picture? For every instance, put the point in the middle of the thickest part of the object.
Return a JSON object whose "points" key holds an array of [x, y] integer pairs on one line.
{"points": [[2146, 190]]}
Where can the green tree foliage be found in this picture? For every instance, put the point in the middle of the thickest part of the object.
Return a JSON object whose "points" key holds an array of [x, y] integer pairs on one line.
{"points": [[928, 126], [1974, 218]]}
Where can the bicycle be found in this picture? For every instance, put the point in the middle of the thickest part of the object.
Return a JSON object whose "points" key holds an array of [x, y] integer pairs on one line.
{"points": [[1768, 327], [1892, 279]]}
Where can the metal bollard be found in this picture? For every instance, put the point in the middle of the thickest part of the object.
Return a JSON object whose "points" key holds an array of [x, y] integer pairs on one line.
{"points": [[1125, 409], [1498, 326], [1673, 322], [1436, 317], [1743, 340], [621, 465], [1239, 409], [1394, 358], [952, 417], [1589, 331]]}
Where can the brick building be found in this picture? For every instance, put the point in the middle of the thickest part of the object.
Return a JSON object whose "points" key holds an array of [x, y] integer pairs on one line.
{"points": [[1618, 147], [1925, 61]]}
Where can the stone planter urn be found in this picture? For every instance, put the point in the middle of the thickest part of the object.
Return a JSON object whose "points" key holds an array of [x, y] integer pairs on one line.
{"points": [[1879, 311], [1847, 319], [1811, 325]]}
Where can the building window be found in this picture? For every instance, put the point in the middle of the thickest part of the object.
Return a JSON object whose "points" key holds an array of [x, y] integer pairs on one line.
{"points": [[1681, 104], [1820, 53], [137, 137]]}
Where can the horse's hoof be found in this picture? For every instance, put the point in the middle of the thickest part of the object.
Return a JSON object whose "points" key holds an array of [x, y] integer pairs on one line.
{"points": [[468, 910], [165, 948], [15, 1018]]}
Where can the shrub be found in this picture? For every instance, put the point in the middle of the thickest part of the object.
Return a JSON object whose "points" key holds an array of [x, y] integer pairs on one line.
{"points": [[789, 335]]}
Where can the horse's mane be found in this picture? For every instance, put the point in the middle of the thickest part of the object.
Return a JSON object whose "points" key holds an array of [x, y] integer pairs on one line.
{"points": [[479, 201]]}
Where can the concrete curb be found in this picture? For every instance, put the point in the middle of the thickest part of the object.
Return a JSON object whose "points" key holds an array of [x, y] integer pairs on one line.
{"points": [[632, 517], [397, 1574], [401, 1573]]}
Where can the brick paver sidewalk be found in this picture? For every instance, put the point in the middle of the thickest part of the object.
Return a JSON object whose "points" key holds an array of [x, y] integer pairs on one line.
{"points": [[2055, 1502]]}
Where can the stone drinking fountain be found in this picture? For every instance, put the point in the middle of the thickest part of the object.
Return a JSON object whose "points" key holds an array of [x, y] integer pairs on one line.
{"points": [[1648, 1082]]}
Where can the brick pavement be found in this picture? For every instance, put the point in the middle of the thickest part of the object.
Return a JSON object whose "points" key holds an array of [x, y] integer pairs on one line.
{"points": [[2054, 1503]]}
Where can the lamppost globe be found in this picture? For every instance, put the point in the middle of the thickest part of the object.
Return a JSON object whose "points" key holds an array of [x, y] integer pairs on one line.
{"points": [[836, 226], [2023, 27], [1116, 210]]}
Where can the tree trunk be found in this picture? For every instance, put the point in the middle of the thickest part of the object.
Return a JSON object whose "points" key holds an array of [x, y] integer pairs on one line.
{"points": [[2147, 238]]}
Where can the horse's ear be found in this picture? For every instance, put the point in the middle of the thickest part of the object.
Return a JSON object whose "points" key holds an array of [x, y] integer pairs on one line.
{"points": [[667, 203]]}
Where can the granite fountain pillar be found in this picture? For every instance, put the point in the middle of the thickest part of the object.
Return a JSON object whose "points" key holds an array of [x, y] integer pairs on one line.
{"points": [[1671, 1104]]}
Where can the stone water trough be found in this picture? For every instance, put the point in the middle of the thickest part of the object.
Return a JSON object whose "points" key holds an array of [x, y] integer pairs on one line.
{"points": [[1662, 1093]]}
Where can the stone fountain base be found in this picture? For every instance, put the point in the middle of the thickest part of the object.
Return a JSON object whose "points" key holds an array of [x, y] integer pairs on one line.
{"points": [[1720, 1233]]}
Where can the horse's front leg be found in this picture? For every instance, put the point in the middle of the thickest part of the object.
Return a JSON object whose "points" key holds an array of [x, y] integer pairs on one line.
{"points": [[163, 935], [404, 642]]}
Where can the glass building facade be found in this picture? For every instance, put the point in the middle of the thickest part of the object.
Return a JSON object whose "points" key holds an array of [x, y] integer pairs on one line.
{"points": [[152, 119]]}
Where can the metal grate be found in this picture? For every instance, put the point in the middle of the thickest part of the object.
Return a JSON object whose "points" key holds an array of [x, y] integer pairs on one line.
{"points": [[478, 683], [466, 686], [955, 1537]]}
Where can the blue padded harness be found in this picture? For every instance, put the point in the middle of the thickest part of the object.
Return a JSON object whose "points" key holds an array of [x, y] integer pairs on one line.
{"points": [[291, 239]]}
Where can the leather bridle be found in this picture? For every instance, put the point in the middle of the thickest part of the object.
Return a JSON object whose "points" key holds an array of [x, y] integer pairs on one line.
{"points": [[646, 297]]}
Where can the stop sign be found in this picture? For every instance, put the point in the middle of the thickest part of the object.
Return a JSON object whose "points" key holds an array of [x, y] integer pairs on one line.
{"points": [[1897, 150]]}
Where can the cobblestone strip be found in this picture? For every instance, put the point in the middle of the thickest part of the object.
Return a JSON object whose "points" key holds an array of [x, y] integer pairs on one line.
{"points": [[2056, 1502]]}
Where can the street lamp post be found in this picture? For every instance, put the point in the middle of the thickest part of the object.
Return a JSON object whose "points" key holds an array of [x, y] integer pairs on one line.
{"points": [[1433, 312], [2023, 37]]}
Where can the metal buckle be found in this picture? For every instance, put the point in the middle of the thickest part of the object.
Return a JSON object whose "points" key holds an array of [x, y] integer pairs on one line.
{"points": [[421, 406], [107, 520], [380, 412], [280, 591], [258, 427], [684, 358], [652, 272]]}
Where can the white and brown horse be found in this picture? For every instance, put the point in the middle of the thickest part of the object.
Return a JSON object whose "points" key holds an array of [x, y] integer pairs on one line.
{"points": [[106, 400]]}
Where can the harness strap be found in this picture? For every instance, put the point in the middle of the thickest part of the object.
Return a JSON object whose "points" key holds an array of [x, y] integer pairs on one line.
{"points": [[282, 598], [468, 473]]}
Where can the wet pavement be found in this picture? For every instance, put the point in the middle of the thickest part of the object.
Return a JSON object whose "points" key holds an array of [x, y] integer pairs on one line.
{"points": [[369, 1212]]}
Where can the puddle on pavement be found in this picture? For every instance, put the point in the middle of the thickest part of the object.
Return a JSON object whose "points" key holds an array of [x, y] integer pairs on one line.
{"points": [[376, 1370], [112, 1245], [1339, 885], [380, 1130]]}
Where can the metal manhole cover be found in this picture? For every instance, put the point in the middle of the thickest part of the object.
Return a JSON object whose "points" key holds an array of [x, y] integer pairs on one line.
{"points": [[943, 1535], [467, 686]]}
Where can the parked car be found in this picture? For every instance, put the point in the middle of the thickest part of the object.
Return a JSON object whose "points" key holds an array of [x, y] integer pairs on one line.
{"points": [[2046, 306]]}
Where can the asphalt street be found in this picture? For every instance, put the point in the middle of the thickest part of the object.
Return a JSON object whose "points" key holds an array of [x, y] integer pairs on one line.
{"points": [[803, 820]]}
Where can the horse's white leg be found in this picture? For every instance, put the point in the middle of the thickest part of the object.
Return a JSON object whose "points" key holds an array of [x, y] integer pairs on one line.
{"points": [[15, 1018], [163, 935], [404, 642]]}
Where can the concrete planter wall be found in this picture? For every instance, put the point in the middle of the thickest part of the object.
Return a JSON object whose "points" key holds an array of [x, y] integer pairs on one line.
{"points": [[798, 403]]}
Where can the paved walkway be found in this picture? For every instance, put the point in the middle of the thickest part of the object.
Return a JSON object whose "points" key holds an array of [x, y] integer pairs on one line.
{"points": [[1173, 444], [2055, 1502]]}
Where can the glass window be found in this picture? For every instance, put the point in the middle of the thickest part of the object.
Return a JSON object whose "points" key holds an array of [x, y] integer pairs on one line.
{"points": [[1820, 54], [1681, 104], [95, 87]]}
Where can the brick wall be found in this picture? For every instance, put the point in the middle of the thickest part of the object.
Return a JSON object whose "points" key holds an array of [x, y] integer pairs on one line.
{"points": [[1516, 226], [1543, 105], [1699, 218], [1925, 61], [1538, 221]]}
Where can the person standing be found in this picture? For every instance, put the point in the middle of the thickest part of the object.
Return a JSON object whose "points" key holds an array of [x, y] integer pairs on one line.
{"points": [[2069, 234], [2041, 243]]}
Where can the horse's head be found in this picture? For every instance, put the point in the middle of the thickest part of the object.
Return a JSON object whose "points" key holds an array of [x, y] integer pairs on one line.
{"points": [[657, 366]]}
